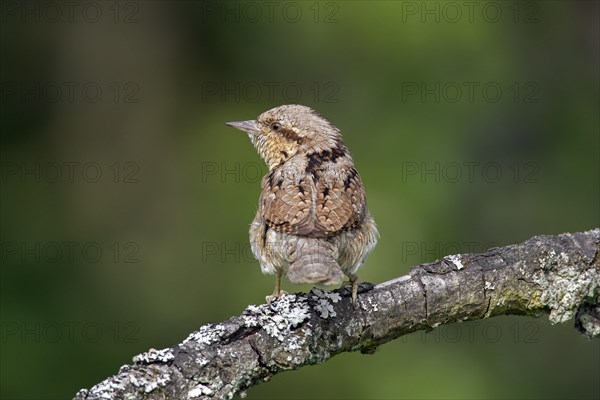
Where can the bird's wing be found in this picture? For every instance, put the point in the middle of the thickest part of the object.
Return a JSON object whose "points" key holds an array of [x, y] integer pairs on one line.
{"points": [[286, 202], [340, 203], [312, 205]]}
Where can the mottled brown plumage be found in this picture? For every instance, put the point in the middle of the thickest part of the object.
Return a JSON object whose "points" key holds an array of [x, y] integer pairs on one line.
{"points": [[312, 221]]}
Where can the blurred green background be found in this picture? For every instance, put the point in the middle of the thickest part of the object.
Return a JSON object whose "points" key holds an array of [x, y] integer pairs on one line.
{"points": [[126, 201]]}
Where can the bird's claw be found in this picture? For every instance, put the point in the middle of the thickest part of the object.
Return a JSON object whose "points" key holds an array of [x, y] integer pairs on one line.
{"points": [[352, 285], [272, 297]]}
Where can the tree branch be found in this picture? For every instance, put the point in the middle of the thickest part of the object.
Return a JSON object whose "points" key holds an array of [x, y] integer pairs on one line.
{"points": [[559, 275]]}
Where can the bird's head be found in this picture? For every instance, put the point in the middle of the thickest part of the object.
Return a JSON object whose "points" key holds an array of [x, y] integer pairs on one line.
{"points": [[285, 131]]}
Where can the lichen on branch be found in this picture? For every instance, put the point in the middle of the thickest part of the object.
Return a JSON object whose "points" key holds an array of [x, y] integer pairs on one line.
{"points": [[558, 275]]}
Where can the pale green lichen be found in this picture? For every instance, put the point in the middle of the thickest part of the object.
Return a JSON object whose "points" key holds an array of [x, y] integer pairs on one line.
{"points": [[456, 260], [207, 335], [279, 317], [567, 287], [198, 391], [154, 355], [324, 302]]}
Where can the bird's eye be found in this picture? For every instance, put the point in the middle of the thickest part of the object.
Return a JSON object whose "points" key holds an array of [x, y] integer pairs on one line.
{"points": [[275, 126]]}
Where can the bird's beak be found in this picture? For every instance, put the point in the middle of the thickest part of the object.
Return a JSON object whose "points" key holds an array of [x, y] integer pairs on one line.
{"points": [[250, 126]]}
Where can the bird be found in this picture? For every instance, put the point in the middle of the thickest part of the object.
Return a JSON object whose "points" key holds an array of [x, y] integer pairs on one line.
{"points": [[312, 223]]}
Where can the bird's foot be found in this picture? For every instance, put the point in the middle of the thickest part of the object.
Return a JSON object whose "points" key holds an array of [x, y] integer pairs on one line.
{"points": [[272, 297], [352, 285]]}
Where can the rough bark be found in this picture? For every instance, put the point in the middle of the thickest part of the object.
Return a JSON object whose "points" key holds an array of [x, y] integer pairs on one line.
{"points": [[559, 275]]}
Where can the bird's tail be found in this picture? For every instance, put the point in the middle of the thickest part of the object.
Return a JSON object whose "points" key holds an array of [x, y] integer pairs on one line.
{"points": [[314, 263]]}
